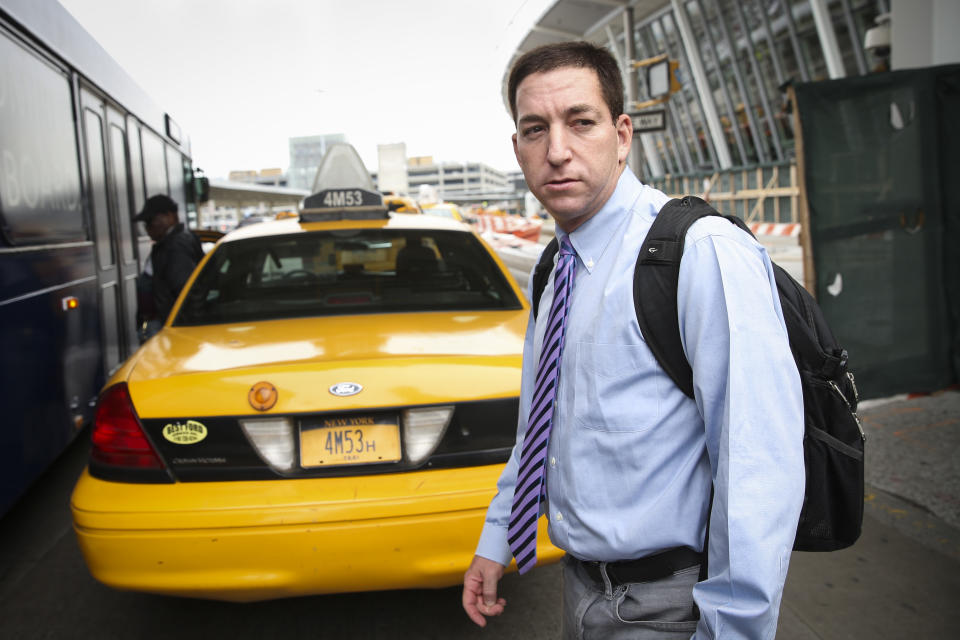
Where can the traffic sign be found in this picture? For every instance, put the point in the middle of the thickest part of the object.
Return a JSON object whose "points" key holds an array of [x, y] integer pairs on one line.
{"points": [[649, 121]]}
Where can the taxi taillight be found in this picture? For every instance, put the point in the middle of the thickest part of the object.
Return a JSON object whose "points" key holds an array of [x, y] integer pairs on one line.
{"points": [[118, 438]]}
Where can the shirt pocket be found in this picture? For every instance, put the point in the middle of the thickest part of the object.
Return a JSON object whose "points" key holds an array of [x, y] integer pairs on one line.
{"points": [[615, 387]]}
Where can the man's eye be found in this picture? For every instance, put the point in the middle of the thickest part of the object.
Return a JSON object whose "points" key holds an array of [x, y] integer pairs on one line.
{"points": [[530, 131], [583, 123]]}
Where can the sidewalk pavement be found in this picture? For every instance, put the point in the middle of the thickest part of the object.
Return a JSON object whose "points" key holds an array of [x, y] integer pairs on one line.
{"points": [[901, 580]]}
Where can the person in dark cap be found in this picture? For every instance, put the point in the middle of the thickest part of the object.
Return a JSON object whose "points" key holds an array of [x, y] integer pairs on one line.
{"points": [[175, 253]]}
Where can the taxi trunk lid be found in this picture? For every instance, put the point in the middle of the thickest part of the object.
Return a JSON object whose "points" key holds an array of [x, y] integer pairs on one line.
{"points": [[398, 360]]}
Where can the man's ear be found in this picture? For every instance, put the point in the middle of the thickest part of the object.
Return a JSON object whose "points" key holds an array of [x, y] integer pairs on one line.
{"points": [[515, 151], [624, 126]]}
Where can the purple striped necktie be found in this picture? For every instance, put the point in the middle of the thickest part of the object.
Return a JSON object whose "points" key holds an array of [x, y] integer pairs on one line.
{"points": [[530, 488]]}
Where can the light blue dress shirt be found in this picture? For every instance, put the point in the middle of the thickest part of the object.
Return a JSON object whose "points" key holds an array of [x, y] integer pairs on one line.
{"points": [[631, 458]]}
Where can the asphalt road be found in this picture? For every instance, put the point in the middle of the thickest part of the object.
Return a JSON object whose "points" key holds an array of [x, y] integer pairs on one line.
{"points": [[901, 580]]}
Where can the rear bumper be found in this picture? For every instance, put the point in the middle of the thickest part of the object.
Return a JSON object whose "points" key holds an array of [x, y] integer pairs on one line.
{"points": [[244, 541]]}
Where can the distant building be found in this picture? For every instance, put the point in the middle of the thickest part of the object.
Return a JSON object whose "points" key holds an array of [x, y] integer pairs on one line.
{"points": [[457, 181], [305, 155], [517, 181], [392, 168], [267, 177], [460, 180]]}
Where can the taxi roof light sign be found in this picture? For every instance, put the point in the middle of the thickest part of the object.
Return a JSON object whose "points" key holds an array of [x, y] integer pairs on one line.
{"points": [[341, 167], [343, 204], [343, 189]]}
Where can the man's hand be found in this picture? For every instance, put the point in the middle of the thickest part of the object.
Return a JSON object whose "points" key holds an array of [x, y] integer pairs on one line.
{"points": [[480, 590]]}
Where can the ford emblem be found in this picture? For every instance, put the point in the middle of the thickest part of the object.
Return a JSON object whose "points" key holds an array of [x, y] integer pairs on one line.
{"points": [[344, 389]]}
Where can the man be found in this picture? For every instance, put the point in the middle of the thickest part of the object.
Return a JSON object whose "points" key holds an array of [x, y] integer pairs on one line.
{"points": [[629, 459], [173, 257]]}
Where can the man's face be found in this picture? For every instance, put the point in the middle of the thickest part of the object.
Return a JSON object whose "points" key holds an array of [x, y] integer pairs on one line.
{"points": [[571, 150], [157, 225]]}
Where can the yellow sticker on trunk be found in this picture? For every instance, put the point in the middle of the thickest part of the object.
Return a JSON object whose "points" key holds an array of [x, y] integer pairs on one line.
{"points": [[189, 432]]}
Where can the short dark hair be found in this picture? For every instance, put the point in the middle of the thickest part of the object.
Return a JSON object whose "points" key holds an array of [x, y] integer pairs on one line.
{"points": [[157, 204], [570, 54]]}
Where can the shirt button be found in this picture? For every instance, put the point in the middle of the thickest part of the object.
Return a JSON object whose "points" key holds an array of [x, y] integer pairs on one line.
{"points": [[553, 461], [558, 517], [590, 263]]}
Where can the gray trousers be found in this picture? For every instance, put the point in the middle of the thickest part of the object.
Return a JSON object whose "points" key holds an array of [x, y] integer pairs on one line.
{"points": [[660, 610]]}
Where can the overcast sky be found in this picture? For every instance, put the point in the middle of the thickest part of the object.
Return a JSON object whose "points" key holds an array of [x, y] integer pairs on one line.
{"points": [[243, 76]]}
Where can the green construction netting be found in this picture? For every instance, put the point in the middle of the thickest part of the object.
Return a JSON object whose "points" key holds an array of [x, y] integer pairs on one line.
{"points": [[881, 155]]}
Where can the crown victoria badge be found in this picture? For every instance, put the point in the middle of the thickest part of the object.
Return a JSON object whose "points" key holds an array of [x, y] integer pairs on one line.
{"points": [[344, 389]]}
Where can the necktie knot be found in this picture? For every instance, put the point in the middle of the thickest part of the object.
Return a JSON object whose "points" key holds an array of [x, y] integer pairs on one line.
{"points": [[566, 249]]}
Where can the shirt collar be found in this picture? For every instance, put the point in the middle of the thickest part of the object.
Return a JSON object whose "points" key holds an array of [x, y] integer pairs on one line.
{"points": [[590, 239]]}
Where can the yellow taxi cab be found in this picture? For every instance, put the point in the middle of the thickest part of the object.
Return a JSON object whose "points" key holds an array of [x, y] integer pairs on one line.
{"points": [[327, 409], [444, 210], [401, 204]]}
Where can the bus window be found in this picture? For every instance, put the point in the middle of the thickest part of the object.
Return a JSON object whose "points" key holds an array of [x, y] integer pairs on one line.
{"points": [[175, 175], [98, 188], [154, 163], [39, 178], [118, 157], [136, 163]]}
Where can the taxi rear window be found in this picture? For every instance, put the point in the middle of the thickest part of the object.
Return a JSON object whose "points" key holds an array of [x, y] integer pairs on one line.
{"points": [[345, 272]]}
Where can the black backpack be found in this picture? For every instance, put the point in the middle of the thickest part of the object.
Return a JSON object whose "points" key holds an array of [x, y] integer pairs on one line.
{"points": [[832, 511]]}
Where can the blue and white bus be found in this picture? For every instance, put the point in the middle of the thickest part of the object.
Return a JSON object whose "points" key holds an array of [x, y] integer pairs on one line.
{"points": [[81, 147]]}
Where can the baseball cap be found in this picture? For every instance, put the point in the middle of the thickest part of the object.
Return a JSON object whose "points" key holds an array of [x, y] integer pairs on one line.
{"points": [[154, 205]]}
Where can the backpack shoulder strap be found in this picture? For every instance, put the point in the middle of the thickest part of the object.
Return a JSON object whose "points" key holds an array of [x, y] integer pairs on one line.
{"points": [[542, 273], [655, 280]]}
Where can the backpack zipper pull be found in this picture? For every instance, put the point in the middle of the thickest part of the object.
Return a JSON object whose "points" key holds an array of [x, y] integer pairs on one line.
{"points": [[863, 436]]}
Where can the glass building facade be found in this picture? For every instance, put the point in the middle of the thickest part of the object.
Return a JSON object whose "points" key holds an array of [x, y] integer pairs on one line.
{"points": [[729, 126]]}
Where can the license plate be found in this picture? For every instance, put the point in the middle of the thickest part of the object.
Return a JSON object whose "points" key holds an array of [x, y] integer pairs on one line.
{"points": [[349, 440]]}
